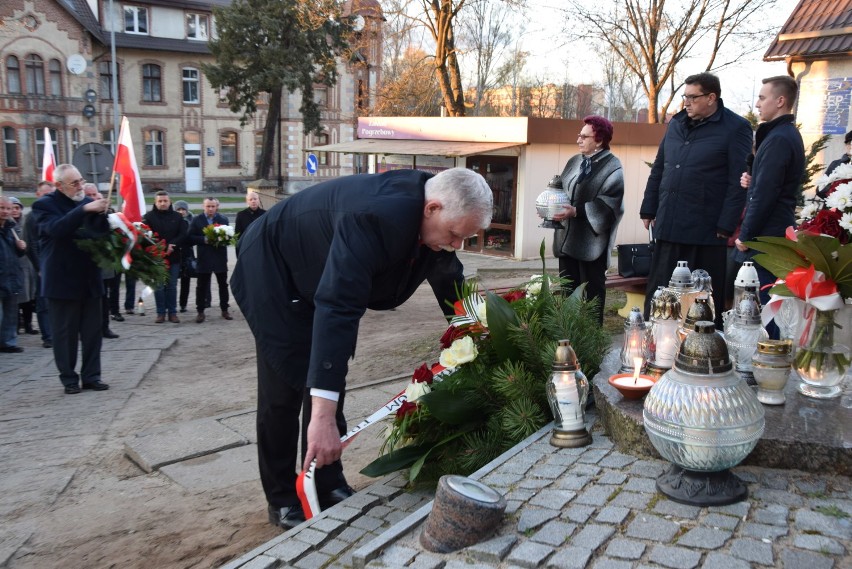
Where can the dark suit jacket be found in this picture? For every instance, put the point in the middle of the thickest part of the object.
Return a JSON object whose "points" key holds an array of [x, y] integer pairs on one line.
{"points": [[336, 249], [67, 272], [210, 259]]}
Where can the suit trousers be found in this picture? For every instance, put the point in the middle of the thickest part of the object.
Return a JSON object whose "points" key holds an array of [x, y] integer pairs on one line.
{"points": [[70, 320], [278, 407], [593, 273], [202, 290]]}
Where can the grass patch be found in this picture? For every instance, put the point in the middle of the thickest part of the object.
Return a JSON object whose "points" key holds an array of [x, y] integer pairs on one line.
{"points": [[615, 300], [832, 511]]}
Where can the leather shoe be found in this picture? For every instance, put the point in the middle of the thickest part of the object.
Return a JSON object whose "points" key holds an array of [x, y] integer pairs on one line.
{"points": [[47, 344], [118, 317], [160, 318], [183, 308], [200, 318], [174, 318], [335, 497], [110, 334], [11, 349], [96, 386], [227, 315], [72, 390], [286, 517]]}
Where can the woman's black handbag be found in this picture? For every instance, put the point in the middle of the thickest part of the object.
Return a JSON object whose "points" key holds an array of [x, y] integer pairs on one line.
{"points": [[188, 267], [634, 260]]}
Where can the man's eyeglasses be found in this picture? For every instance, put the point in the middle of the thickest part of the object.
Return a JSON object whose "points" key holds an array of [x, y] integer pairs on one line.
{"points": [[79, 182], [691, 98]]}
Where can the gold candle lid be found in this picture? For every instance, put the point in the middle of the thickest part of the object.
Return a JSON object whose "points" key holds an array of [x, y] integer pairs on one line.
{"points": [[775, 347]]}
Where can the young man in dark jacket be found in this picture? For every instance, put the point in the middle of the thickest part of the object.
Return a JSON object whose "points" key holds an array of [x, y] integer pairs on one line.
{"points": [[11, 278], [168, 225]]}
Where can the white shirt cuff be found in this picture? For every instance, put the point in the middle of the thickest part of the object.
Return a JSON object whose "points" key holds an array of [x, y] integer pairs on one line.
{"points": [[325, 394]]}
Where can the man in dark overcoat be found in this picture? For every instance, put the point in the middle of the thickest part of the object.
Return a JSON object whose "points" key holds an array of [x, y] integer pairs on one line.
{"points": [[211, 260], [70, 279], [307, 272], [168, 225]]}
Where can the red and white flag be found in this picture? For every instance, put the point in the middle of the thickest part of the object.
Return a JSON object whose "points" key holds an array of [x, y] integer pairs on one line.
{"points": [[130, 186], [48, 160]]}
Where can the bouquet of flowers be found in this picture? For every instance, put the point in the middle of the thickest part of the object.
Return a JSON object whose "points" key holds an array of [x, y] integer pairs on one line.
{"points": [[496, 360], [829, 212], [132, 248], [219, 235]]}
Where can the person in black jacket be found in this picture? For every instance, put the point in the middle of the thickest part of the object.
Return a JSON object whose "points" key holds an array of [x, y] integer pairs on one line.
{"points": [[693, 196], [167, 224], [187, 256], [30, 235], [11, 278], [847, 140], [211, 260], [307, 272], [250, 214], [779, 164]]}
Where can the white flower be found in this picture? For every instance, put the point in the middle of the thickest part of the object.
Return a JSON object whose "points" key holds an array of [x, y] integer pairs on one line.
{"points": [[533, 288], [461, 351], [842, 172], [846, 221], [809, 210], [415, 391], [841, 197], [481, 314]]}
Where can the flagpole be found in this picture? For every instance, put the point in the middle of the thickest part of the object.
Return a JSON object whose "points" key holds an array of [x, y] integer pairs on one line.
{"points": [[112, 175]]}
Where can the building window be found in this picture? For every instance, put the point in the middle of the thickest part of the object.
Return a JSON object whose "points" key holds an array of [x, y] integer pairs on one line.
{"points": [[321, 140], [321, 97], [196, 26], [105, 72], [135, 20], [10, 148], [13, 75], [258, 146], [228, 149], [75, 139], [35, 74], [109, 140], [55, 69], [190, 85], [154, 148], [151, 86], [39, 145]]}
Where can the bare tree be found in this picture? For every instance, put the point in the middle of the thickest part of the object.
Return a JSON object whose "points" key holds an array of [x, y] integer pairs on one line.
{"points": [[621, 88], [411, 90], [653, 37]]}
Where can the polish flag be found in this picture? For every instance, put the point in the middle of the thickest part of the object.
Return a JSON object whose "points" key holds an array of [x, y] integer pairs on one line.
{"points": [[130, 187], [48, 160]]}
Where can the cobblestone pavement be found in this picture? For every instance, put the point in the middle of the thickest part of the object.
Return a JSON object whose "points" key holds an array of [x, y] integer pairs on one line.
{"points": [[588, 507]]}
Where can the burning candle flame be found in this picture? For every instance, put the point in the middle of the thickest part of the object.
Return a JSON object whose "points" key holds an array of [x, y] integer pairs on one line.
{"points": [[637, 367]]}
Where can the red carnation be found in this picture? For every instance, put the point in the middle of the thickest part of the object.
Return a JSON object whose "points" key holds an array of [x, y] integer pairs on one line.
{"points": [[514, 295], [452, 333], [422, 374], [406, 409], [826, 222]]}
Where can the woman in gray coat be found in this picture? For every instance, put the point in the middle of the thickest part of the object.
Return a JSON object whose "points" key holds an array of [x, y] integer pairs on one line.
{"points": [[594, 182]]}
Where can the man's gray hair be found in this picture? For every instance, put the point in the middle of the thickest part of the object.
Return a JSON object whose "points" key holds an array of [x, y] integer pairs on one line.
{"points": [[5, 199], [60, 171], [462, 193]]}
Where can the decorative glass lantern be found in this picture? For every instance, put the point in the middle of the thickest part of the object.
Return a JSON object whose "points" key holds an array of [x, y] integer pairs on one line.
{"points": [[746, 278], [140, 307], [704, 419], [634, 341], [744, 331], [567, 391], [662, 337], [683, 287], [700, 310], [703, 283], [772, 367], [550, 202]]}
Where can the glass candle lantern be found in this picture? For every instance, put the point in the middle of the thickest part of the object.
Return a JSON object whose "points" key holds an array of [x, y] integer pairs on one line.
{"points": [[743, 333], [700, 310], [662, 339], [771, 367], [634, 340], [683, 287], [703, 283], [567, 392], [550, 202]]}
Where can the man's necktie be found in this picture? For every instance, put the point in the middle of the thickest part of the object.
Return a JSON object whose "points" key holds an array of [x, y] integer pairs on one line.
{"points": [[585, 169]]}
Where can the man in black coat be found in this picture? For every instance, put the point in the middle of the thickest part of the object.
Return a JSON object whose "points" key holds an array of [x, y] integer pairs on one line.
{"points": [[30, 235], [70, 280], [307, 272], [211, 260], [847, 141], [168, 225], [693, 197], [250, 214], [779, 165]]}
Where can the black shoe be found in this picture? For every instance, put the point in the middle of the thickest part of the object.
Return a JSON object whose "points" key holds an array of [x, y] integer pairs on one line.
{"points": [[11, 349], [72, 390], [118, 317], [47, 344], [32, 331], [110, 334], [183, 308], [286, 517], [335, 497], [129, 311], [96, 386]]}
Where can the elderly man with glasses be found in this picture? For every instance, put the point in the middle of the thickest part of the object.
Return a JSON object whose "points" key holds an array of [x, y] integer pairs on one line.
{"points": [[693, 199], [71, 281]]}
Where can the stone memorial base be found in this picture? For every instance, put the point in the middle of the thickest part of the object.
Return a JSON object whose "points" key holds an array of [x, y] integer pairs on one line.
{"points": [[805, 434]]}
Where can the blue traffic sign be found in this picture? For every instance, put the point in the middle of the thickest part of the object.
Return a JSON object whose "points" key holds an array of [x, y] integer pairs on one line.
{"points": [[311, 164]]}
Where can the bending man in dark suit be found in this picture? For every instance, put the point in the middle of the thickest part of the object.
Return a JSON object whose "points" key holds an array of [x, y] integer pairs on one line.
{"points": [[307, 272], [70, 280]]}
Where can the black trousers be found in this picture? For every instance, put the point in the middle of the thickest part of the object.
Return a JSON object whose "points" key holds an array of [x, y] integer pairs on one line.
{"points": [[202, 290], [278, 407], [70, 320], [593, 273], [711, 258], [185, 284]]}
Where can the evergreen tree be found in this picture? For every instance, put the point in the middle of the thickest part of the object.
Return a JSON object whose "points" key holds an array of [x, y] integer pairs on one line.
{"points": [[266, 46]]}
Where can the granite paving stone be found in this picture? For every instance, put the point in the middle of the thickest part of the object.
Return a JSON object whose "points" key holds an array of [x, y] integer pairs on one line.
{"points": [[289, 549], [492, 550], [552, 498], [335, 547], [398, 555], [763, 531], [549, 472], [796, 559], [532, 518], [368, 523], [554, 533], [406, 501], [810, 486], [646, 526], [612, 477], [513, 506], [676, 510], [427, 561], [572, 482], [625, 548], [592, 536], [752, 550], [772, 514], [261, 562], [593, 456], [639, 484], [529, 554], [808, 520], [774, 480], [362, 501], [704, 538], [521, 494], [675, 557], [647, 468], [770, 496], [570, 558], [534, 483], [739, 509], [500, 478], [384, 491], [819, 543], [594, 496], [577, 513], [351, 534], [563, 459], [723, 561], [312, 536], [633, 500], [585, 470], [617, 460], [842, 505], [314, 560], [716, 520], [612, 515], [379, 511], [609, 563]]}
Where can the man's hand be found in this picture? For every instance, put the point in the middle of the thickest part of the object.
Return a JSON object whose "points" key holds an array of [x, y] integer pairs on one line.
{"points": [[745, 180], [740, 246], [648, 223], [567, 211], [323, 436], [21, 244], [99, 205], [170, 248]]}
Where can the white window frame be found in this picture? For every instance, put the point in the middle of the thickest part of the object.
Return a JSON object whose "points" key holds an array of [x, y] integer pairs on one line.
{"points": [[202, 33], [136, 11], [188, 81]]}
